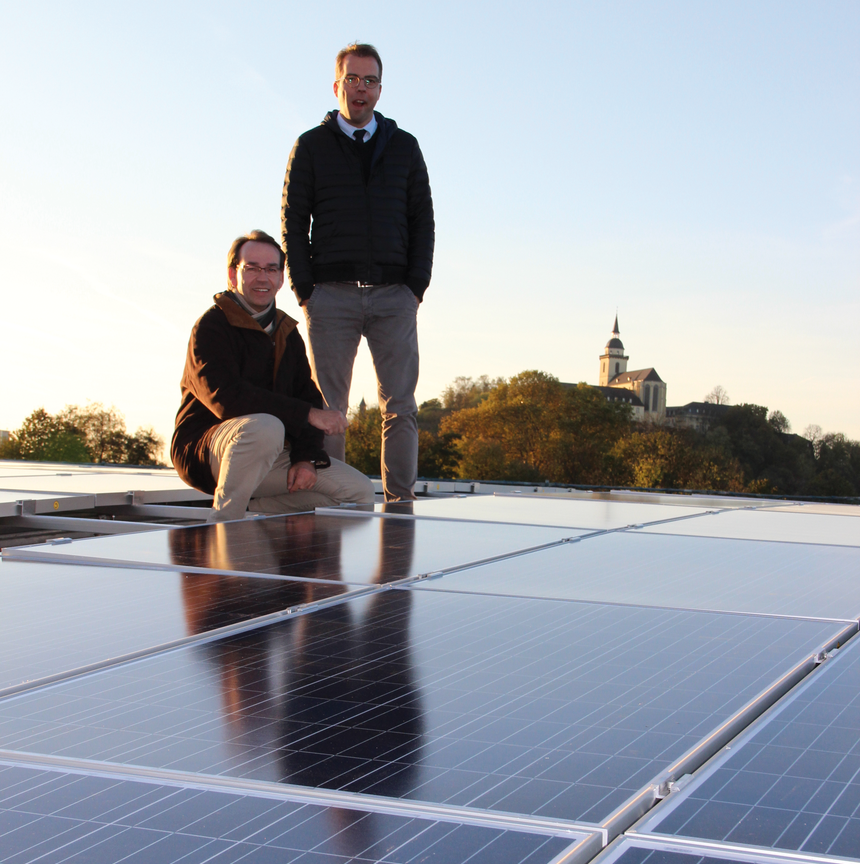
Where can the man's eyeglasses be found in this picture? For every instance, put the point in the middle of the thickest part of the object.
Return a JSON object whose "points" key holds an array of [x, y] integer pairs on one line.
{"points": [[253, 270], [371, 82]]}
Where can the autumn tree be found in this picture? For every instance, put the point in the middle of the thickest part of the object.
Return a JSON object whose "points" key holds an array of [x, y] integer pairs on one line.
{"points": [[666, 458], [534, 428], [466, 392]]}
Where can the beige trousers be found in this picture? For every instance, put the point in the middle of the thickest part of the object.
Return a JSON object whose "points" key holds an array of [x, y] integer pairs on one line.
{"points": [[248, 459]]}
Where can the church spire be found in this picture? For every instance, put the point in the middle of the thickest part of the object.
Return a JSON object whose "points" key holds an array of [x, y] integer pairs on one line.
{"points": [[613, 361]]}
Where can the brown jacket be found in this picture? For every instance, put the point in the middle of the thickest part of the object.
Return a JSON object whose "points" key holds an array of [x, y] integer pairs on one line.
{"points": [[233, 368]]}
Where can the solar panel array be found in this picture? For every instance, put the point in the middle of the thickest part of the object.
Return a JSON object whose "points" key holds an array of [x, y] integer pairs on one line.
{"points": [[503, 678]]}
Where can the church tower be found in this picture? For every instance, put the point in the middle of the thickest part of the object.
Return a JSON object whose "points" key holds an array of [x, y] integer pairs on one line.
{"points": [[613, 361]]}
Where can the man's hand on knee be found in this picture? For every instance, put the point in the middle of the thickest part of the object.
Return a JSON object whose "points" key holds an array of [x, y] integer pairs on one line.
{"points": [[331, 421], [302, 475]]}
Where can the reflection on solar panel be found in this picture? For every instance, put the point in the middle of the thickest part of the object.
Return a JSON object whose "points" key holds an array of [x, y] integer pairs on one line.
{"points": [[298, 688], [344, 547], [55, 619]]}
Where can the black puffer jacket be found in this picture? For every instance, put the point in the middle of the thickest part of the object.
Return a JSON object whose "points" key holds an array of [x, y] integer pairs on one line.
{"points": [[379, 231], [233, 368]]}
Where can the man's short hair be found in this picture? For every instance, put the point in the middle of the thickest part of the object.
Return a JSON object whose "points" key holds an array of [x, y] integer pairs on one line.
{"points": [[359, 49], [257, 236]]}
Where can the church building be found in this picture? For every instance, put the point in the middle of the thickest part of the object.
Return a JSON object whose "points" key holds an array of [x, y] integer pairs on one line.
{"points": [[617, 384]]}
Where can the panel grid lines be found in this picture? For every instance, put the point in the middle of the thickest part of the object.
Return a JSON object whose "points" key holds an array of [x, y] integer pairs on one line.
{"points": [[549, 709], [794, 781], [54, 816]]}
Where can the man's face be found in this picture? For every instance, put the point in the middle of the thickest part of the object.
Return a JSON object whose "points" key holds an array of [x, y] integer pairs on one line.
{"points": [[357, 103], [258, 276]]}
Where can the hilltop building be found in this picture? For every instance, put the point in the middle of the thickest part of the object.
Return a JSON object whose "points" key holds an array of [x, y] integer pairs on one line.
{"points": [[645, 391], [695, 415], [644, 384]]}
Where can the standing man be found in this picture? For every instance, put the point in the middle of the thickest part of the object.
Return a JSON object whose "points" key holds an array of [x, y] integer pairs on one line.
{"points": [[251, 424], [366, 264]]}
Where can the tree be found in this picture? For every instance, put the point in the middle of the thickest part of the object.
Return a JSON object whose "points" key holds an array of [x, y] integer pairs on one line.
{"points": [[45, 438], [837, 466], [772, 461], [364, 439], [103, 430], [467, 393], [438, 455], [779, 422], [718, 396], [677, 459], [143, 447], [90, 434], [814, 434], [430, 414], [534, 428]]}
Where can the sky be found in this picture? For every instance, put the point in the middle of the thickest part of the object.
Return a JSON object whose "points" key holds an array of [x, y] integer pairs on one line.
{"points": [[693, 167]]}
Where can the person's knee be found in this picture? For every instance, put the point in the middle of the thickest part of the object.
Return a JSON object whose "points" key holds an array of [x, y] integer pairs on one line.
{"points": [[402, 416], [264, 432], [365, 493], [347, 485]]}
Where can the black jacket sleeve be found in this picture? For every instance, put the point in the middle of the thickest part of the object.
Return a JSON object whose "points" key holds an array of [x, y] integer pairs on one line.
{"points": [[422, 228], [297, 204]]}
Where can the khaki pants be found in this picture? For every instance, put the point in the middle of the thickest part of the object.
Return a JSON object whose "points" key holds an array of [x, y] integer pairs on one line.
{"points": [[247, 457]]}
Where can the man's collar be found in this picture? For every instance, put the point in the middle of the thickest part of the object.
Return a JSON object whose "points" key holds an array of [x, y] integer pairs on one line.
{"points": [[348, 130], [238, 317], [254, 313]]}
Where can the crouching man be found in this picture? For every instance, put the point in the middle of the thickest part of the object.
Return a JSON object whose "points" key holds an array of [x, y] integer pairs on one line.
{"points": [[251, 424]]}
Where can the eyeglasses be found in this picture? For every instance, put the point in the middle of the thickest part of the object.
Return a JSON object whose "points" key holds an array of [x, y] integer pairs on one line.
{"points": [[253, 270], [371, 82]]}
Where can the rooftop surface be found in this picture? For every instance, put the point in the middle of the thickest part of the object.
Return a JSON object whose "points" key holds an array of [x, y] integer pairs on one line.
{"points": [[526, 676]]}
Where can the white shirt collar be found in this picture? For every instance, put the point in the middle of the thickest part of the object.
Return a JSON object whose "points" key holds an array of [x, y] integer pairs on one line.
{"points": [[348, 130]]}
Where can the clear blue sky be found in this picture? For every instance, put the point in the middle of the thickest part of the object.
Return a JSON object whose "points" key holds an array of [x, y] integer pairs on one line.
{"points": [[694, 165]]}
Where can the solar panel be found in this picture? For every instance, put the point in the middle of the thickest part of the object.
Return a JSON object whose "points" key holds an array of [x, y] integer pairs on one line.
{"points": [[58, 618], [347, 547], [680, 498], [588, 515], [793, 781], [536, 707], [101, 820], [807, 507], [680, 572], [766, 524], [638, 850], [567, 652]]}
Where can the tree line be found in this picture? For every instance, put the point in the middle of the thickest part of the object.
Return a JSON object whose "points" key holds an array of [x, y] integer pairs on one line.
{"points": [[533, 429], [81, 435]]}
